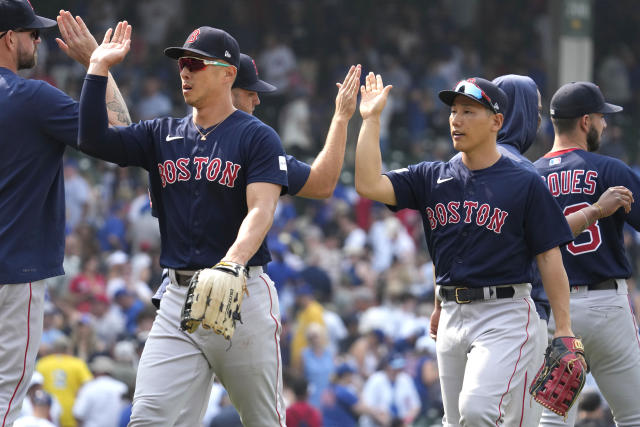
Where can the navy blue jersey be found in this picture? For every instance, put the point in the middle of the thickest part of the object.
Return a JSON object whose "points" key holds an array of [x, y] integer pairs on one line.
{"points": [[37, 122], [298, 173], [482, 227], [577, 179], [198, 187]]}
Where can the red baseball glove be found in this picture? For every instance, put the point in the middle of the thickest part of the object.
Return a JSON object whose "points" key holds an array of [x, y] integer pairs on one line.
{"points": [[562, 375]]}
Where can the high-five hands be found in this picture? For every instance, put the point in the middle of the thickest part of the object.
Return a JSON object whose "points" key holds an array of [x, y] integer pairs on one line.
{"points": [[114, 48], [374, 96]]}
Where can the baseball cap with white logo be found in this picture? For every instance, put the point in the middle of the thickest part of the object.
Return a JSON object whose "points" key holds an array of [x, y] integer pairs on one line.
{"points": [[209, 42]]}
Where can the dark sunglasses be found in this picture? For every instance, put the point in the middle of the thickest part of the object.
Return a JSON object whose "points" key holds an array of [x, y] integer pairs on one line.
{"points": [[197, 64], [470, 88], [35, 34]]}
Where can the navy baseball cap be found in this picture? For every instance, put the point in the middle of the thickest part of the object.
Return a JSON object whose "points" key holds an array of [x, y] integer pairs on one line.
{"points": [[480, 90], [19, 14], [247, 77], [210, 42], [576, 99]]}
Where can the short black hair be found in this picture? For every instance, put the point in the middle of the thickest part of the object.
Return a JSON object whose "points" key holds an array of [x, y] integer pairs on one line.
{"points": [[589, 401], [561, 126], [300, 387]]}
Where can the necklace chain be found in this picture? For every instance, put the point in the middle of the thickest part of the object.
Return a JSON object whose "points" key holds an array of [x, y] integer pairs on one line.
{"points": [[203, 136]]}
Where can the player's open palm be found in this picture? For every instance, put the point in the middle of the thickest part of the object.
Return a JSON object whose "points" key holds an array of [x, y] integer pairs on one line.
{"points": [[114, 47], [374, 96], [347, 97], [77, 41]]}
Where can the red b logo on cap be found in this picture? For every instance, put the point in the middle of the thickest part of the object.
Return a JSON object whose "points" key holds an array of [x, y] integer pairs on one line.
{"points": [[193, 36], [255, 66]]}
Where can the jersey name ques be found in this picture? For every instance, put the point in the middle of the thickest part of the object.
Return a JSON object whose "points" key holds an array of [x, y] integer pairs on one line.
{"points": [[577, 179]]}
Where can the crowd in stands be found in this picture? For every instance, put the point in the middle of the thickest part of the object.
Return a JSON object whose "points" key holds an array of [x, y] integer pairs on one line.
{"points": [[355, 281]]}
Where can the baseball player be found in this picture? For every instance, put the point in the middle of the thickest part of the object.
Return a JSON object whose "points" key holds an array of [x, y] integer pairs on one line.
{"points": [[521, 124], [596, 262], [38, 121], [216, 176], [481, 214], [315, 181]]}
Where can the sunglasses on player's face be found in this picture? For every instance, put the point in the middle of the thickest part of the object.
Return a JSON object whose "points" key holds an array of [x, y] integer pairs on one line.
{"points": [[35, 34], [197, 64], [470, 88]]}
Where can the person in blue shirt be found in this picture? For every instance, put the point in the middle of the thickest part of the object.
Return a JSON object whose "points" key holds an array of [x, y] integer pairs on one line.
{"points": [[485, 219], [38, 122], [341, 405]]}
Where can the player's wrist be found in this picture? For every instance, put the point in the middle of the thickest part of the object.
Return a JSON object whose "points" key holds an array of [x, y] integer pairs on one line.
{"points": [[98, 69]]}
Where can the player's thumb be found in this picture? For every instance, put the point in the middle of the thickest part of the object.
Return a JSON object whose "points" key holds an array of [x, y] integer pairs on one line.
{"points": [[387, 89]]}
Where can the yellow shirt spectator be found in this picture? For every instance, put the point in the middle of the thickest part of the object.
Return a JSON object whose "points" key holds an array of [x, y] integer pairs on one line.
{"points": [[63, 376]]}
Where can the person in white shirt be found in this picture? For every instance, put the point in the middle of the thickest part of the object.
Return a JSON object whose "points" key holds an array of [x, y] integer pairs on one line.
{"points": [[391, 390], [41, 403], [100, 401]]}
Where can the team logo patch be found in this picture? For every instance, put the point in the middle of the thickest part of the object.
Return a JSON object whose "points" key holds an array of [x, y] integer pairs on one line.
{"points": [[193, 36], [283, 163], [555, 161], [255, 67], [227, 54]]}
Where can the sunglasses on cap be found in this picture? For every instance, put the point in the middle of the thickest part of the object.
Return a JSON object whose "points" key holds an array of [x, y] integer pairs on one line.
{"points": [[197, 64], [473, 90], [35, 34]]}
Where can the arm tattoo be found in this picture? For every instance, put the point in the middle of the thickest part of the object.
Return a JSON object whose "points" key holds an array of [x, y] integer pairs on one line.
{"points": [[116, 104]]}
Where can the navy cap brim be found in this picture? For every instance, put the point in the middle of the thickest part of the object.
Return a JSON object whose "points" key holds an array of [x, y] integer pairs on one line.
{"points": [[41, 22], [610, 108], [179, 52], [447, 96], [260, 86]]}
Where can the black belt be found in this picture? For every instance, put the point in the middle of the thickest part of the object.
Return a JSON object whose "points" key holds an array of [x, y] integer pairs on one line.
{"points": [[602, 286], [463, 295]]}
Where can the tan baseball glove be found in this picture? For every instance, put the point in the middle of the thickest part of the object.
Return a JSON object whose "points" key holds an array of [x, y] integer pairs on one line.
{"points": [[214, 298]]}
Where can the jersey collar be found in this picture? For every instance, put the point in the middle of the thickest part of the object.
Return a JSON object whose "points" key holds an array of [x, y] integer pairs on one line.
{"points": [[560, 152]]}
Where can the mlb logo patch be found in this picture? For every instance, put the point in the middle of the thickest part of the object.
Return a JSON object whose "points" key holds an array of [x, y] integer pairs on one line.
{"points": [[555, 161], [283, 163]]}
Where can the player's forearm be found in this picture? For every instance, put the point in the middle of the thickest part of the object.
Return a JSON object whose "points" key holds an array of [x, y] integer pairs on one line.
{"points": [[325, 170], [117, 110], [251, 234], [582, 219], [369, 163], [556, 286]]}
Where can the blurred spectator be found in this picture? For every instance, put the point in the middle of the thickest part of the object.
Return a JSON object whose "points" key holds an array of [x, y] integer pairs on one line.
{"points": [[42, 402], [317, 362], [76, 193], [153, 102], [63, 375], [83, 338], [301, 413], [108, 320], [309, 311], [391, 390], [118, 275], [131, 307], [590, 410], [341, 405], [227, 416], [100, 401], [28, 409], [88, 284], [51, 326]]}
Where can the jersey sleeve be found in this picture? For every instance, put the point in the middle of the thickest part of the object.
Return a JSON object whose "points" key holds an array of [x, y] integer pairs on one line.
{"points": [[298, 173], [267, 161], [618, 173], [57, 114], [345, 397], [407, 184], [126, 146], [545, 225]]}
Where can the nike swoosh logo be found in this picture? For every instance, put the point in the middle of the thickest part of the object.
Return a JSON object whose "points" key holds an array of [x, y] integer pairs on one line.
{"points": [[172, 138], [441, 180]]}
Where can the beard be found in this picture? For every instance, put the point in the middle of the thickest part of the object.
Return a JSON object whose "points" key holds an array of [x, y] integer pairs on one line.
{"points": [[593, 139], [27, 59]]}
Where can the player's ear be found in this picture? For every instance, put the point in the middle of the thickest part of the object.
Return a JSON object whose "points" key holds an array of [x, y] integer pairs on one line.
{"points": [[583, 123], [230, 73], [498, 120]]}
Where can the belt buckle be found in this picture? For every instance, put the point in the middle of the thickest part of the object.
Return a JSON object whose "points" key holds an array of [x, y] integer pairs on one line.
{"points": [[458, 300]]}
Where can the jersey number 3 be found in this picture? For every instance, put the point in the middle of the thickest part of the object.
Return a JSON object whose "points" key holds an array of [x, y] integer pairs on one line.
{"points": [[595, 239]]}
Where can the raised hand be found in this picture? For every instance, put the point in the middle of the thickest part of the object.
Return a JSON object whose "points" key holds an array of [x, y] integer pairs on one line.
{"points": [[77, 41], [613, 199], [347, 97], [112, 50], [374, 96]]}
